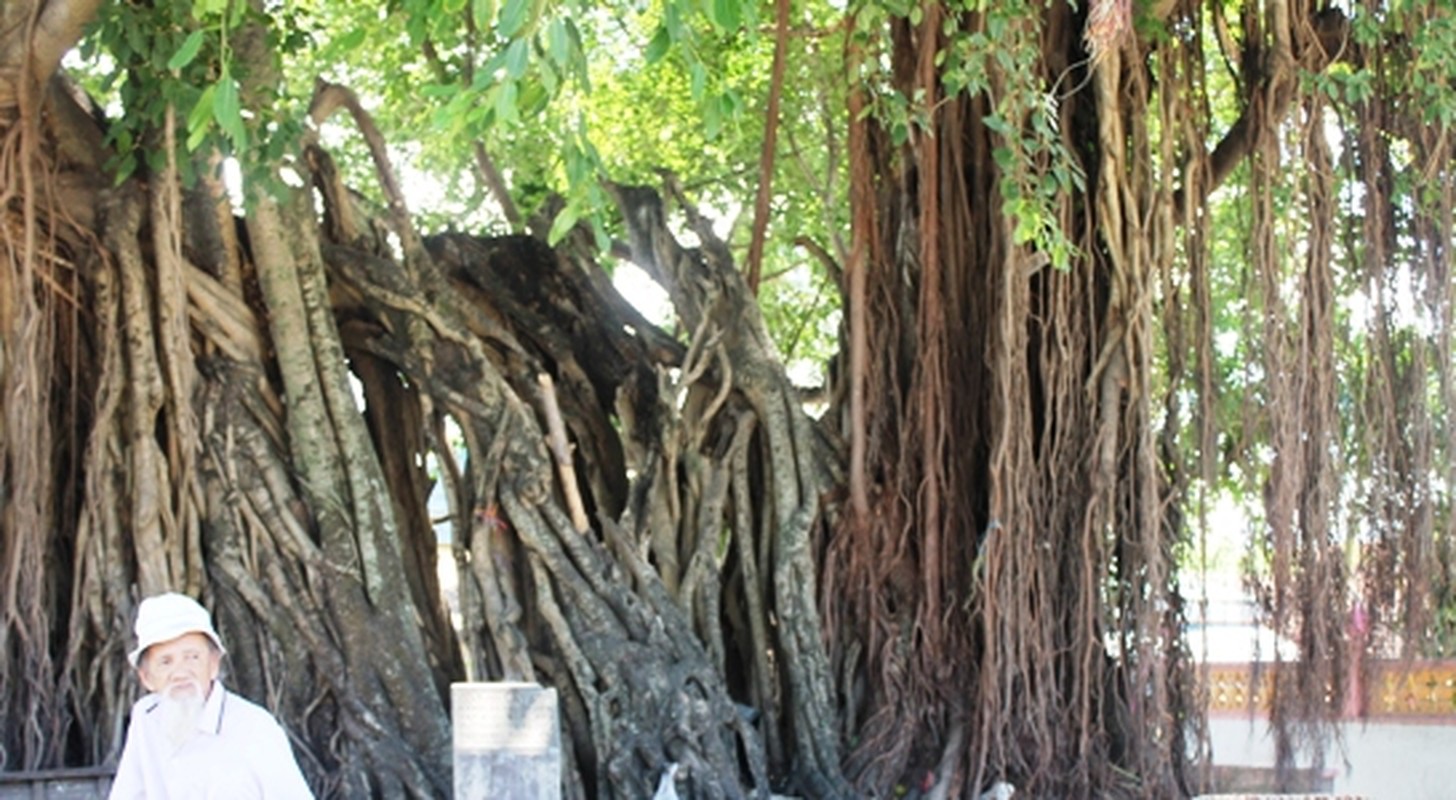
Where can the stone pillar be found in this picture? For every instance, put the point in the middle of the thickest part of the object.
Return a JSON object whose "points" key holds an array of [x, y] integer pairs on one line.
{"points": [[507, 741]]}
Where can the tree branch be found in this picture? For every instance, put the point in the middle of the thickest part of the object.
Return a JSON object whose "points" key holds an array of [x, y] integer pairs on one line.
{"points": [[1273, 91], [770, 143], [328, 98], [561, 451], [59, 27]]}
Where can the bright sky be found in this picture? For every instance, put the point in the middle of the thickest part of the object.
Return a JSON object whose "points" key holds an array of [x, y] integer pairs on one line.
{"points": [[644, 293]]}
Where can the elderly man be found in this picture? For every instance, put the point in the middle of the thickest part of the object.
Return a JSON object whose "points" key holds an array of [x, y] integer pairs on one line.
{"points": [[190, 737]]}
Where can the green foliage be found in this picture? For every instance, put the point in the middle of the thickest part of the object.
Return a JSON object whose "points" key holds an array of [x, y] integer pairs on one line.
{"points": [[564, 93], [560, 93], [801, 307], [1036, 169], [1433, 71], [154, 64], [1420, 67], [992, 50], [178, 58]]}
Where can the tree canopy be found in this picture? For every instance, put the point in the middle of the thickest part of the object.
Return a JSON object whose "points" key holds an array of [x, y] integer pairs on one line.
{"points": [[979, 311]]}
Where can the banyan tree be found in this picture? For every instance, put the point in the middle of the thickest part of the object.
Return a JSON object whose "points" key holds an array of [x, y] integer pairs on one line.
{"points": [[276, 274]]}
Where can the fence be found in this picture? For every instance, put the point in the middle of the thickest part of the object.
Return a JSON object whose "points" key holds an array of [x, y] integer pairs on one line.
{"points": [[86, 783], [1388, 691]]}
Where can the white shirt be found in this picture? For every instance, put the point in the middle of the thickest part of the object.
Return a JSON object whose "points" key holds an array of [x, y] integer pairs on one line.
{"points": [[240, 752]]}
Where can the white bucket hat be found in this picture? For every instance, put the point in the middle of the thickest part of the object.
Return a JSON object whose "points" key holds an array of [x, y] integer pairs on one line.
{"points": [[167, 616]]}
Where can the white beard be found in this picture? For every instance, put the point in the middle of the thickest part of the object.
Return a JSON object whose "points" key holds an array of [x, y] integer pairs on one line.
{"points": [[180, 710]]}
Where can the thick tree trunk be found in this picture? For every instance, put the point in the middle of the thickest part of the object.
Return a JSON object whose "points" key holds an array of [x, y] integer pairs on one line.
{"points": [[231, 459], [256, 410]]}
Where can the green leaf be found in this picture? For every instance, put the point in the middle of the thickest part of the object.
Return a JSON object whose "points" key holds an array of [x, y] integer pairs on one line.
{"points": [[199, 119], [727, 14], [577, 167], [351, 40], [533, 98], [699, 80], [186, 52], [485, 76], [228, 111], [583, 74], [562, 225], [125, 166], [194, 138], [122, 140], [203, 9], [712, 119], [505, 103], [518, 56], [1061, 255], [657, 48], [599, 234], [559, 42], [1026, 227], [201, 113], [513, 16], [672, 20], [483, 11], [899, 132]]}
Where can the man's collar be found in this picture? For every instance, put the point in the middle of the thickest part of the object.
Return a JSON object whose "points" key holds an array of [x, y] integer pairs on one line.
{"points": [[210, 720]]}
